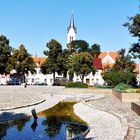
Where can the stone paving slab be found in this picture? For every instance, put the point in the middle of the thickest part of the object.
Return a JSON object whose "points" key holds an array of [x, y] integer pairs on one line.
{"points": [[16, 97], [23, 112], [103, 125], [111, 103]]}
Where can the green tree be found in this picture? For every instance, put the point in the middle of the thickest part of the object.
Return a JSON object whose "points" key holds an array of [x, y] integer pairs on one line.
{"points": [[95, 50], [122, 71], [134, 28], [81, 64], [54, 61], [113, 78], [79, 46], [124, 62], [65, 60], [23, 62], [5, 54]]}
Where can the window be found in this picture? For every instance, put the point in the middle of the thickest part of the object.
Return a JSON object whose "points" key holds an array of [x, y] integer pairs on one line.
{"points": [[50, 80], [39, 72], [72, 38], [97, 79], [107, 68], [33, 80], [45, 80]]}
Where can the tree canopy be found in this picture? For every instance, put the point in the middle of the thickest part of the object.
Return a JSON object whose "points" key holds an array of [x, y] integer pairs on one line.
{"points": [[22, 62], [78, 46], [5, 54], [95, 50], [122, 71], [134, 28], [124, 62], [81, 64], [53, 62]]}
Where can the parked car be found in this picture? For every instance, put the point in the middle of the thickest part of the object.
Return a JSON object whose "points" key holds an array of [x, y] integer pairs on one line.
{"points": [[40, 83], [60, 81], [11, 82]]}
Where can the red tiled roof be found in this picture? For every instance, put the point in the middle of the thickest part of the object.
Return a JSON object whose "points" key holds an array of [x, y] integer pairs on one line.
{"points": [[114, 55], [102, 55], [136, 68], [39, 60], [97, 63]]}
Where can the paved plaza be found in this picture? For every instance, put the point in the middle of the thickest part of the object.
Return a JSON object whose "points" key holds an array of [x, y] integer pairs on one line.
{"points": [[107, 117]]}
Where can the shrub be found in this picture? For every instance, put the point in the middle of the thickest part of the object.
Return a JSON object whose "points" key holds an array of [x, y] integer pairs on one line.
{"points": [[76, 85], [122, 86], [138, 90], [131, 90], [104, 86], [113, 78]]}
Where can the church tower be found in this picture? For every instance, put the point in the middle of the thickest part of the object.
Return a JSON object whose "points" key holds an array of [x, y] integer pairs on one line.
{"points": [[71, 32]]}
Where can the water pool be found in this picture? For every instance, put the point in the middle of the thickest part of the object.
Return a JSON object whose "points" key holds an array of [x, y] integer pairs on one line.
{"points": [[51, 128], [56, 123]]}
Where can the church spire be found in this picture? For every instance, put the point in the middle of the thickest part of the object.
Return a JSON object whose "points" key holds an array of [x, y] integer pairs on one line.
{"points": [[72, 23], [71, 31]]}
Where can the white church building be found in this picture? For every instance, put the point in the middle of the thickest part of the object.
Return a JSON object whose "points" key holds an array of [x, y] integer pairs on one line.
{"points": [[39, 77]]}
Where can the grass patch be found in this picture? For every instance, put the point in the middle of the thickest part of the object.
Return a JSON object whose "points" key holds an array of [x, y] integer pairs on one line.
{"points": [[104, 87], [63, 110], [122, 86]]}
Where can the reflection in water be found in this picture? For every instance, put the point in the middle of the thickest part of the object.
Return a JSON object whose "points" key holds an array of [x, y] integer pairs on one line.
{"points": [[42, 128], [73, 130], [34, 125], [53, 125], [50, 125], [3, 129], [18, 123]]}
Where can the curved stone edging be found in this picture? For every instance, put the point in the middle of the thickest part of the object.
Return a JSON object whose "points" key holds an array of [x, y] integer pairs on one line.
{"points": [[122, 119], [28, 105]]}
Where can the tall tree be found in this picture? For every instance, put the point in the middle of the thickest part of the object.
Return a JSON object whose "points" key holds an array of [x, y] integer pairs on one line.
{"points": [[5, 54], [124, 62], [65, 60], [53, 63], [81, 64], [23, 62], [79, 46], [95, 50], [134, 28]]}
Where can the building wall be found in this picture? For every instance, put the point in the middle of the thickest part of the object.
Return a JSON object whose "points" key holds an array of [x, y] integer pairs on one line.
{"points": [[4, 79], [40, 77], [71, 35], [90, 79]]}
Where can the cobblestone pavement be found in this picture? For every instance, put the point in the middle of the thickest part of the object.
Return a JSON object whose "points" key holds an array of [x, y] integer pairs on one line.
{"points": [[112, 104], [105, 126], [17, 102], [18, 96]]}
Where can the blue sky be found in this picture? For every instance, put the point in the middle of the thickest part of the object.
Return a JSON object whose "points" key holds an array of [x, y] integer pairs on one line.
{"points": [[35, 22]]}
